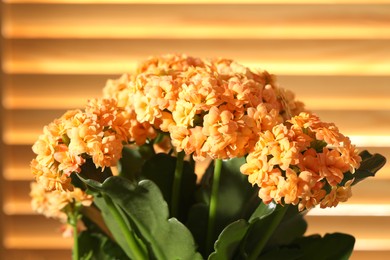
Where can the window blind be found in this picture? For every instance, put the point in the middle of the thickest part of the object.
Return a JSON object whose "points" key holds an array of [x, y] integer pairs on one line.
{"points": [[335, 55]]}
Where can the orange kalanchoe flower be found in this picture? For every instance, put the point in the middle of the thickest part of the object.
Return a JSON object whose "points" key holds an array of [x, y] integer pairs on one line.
{"points": [[97, 133], [120, 90], [337, 194], [54, 204], [302, 163], [168, 62], [220, 99]]}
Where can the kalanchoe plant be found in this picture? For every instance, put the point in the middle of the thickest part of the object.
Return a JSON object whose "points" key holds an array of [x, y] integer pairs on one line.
{"points": [[126, 172]]}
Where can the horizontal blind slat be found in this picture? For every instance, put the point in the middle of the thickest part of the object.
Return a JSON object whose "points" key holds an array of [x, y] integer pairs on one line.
{"points": [[35, 254], [337, 62], [302, 57], [198, 21], [44, 234], [371, 254], [373, 228], [352, 2]]}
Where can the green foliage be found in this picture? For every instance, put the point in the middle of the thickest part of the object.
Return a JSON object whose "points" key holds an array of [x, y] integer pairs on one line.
{"points": [[145, 213], [292, 226], [241, 239], [262, 211], [197, 223], [161, 169], [229, 240], [261, 229], [331, 246], [237, 199], [120, 226], [137, 214], [285, 253], [89, 171], [370, 165], [95, 246], [133, 159]]}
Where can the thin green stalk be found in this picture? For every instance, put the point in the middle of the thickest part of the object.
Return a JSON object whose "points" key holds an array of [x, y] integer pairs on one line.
{"points": [[177, 179], [129, 237], [75, 250], [94, 215], [277, 216], [213, 205]]}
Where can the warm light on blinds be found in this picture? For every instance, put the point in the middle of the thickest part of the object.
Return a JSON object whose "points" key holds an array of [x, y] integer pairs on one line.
{"points": [[335, 55]]}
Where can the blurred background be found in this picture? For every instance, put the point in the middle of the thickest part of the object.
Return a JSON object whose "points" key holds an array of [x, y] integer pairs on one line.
{"points": [[56, 54]]}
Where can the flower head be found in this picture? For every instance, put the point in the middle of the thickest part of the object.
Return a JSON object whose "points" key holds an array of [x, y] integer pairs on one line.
{"points": [[57, 204], [300, 161], [97, 133], [224, 101]]}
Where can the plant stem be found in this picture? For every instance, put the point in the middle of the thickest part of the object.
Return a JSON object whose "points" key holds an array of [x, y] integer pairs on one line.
{"points": [[75, 250], [177, 184], [276, 216], [94, 215], [129, 237], [213, 205]]}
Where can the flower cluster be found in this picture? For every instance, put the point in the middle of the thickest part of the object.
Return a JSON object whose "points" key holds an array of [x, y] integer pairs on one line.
{"points": [[96, 134], [211, 108], [56, 204], [193, 109], [216, 109], [302, 162]]}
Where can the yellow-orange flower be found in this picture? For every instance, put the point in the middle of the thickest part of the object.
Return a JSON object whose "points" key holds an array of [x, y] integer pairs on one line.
{"points": [[98, 132], [308, 156], [337, 194], [169, 62], [288, 188], [172, 92], [53, 204]]}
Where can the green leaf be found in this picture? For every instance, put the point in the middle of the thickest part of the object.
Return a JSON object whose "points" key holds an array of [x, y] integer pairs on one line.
{"points": [[119, 231], [94, 187], [147, 212], [292, 226], [370, 165], [262, 211], [365, 155], [285, 253], [95, 246], [261, 229], [247, 235], [89, 171], [241, 238], [229, 240], [129, 166], [237, 198], [197, 223], [161, 170], [133, 158], [332, 246]]}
